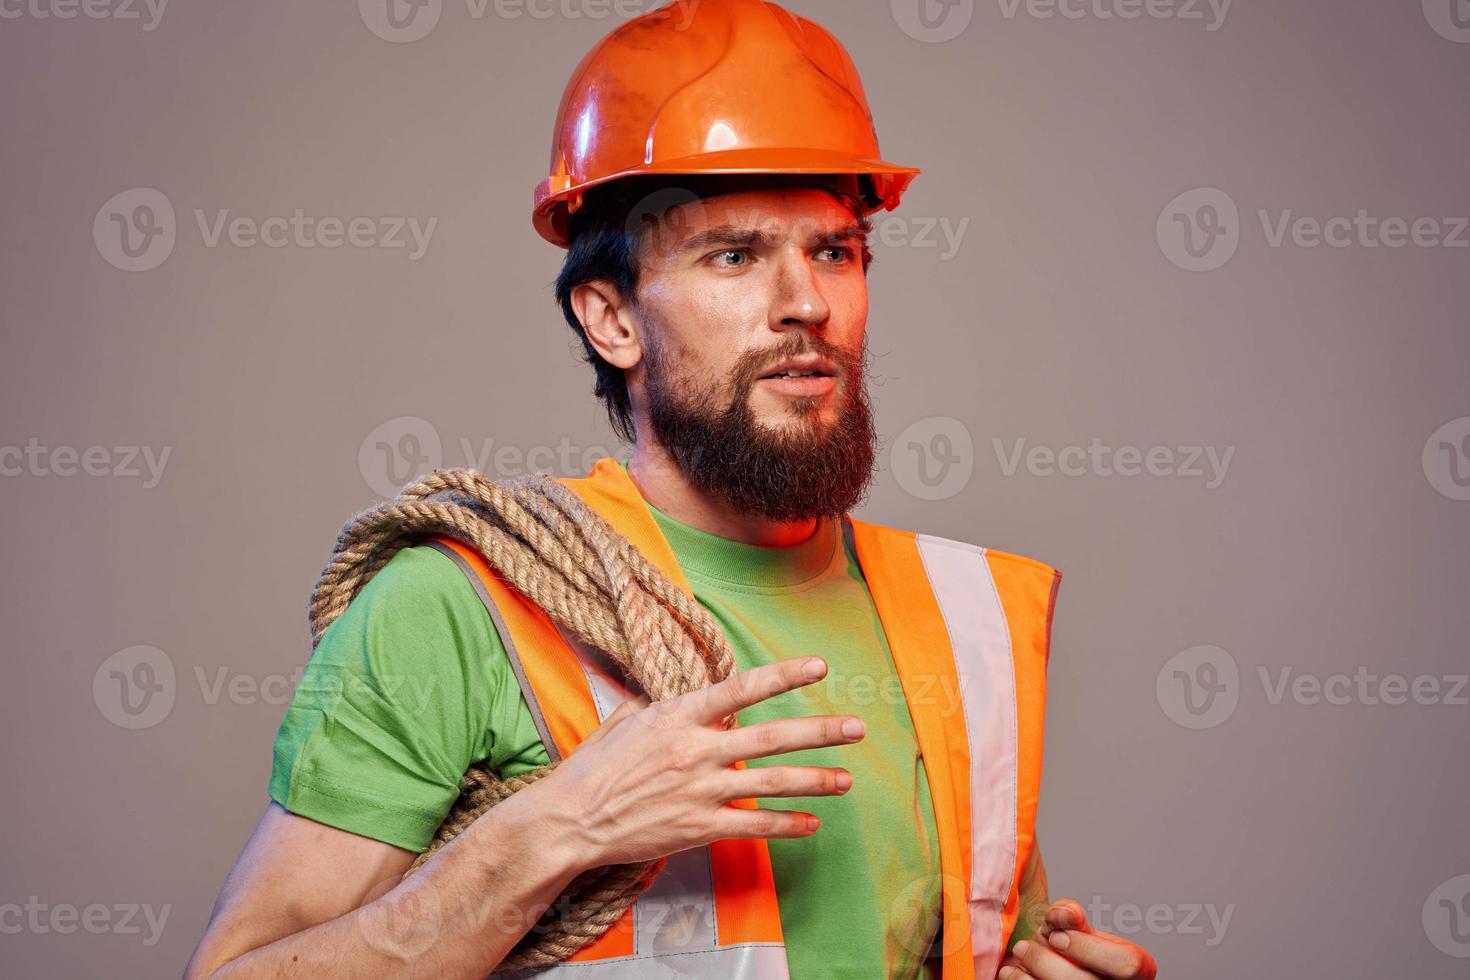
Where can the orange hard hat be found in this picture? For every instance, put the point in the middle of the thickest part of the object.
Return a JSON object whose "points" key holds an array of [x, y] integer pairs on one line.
{"points": [[712, 87]]}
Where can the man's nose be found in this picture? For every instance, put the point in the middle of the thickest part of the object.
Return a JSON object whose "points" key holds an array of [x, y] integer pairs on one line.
{"points": [[799, 301]]}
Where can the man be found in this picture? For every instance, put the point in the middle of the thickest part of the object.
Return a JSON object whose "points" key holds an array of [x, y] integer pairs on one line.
{"points": [[713, 175]]}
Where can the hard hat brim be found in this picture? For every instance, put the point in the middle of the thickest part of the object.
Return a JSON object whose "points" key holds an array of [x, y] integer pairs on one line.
{"points": [[553, 205]]}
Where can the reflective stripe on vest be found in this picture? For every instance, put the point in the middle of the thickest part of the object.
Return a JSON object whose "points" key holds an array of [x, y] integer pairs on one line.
{"points": [[969, 630]]}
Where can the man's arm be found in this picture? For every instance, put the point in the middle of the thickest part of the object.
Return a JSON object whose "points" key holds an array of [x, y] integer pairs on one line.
{"points": [[308, 900]]}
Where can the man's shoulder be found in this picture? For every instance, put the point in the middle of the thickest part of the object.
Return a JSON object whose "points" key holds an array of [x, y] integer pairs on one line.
{"points": [[416, 587]]}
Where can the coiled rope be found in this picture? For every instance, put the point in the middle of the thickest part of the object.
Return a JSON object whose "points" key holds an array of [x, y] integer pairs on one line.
{"points": [[545, 541]]}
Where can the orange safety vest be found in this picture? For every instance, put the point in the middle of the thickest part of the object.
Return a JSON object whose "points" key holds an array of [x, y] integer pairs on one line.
{"points": [[966, 626]]}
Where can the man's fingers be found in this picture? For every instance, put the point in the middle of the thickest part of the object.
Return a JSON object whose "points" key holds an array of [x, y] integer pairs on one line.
{"points": [[783, 735], [1011, 969], [1103, 954], [709, 705], [779, 781], [1066, 913], [760, 822], [1045, 964]]}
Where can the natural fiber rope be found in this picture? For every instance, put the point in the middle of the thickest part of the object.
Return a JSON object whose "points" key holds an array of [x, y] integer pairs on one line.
{"points": [[545, 541]]}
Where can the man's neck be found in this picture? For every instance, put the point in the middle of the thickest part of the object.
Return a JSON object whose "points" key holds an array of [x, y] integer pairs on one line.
{"points": [[659, 479]]}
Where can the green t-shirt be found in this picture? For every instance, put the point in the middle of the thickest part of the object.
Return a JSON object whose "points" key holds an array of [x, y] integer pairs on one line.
{"points": [[411, 685]]}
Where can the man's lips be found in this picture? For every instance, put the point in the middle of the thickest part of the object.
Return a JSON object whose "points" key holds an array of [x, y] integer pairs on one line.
{"points": [[806, 387], [805, 364]]}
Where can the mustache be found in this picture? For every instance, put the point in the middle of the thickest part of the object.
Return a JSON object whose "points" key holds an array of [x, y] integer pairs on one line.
{"points": [[754, 365]]}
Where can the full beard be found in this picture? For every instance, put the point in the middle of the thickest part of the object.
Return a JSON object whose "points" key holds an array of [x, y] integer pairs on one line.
{"points": [[793, 473]]}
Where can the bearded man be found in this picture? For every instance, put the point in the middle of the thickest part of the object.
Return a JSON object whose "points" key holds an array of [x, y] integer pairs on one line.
{"points": [[872, 814]]}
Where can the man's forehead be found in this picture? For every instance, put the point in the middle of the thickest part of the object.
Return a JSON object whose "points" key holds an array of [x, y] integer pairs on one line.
{"points": [[791, 205], [804, 215]]}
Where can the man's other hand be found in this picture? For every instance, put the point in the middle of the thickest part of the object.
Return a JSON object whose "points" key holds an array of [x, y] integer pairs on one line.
{"points": [[1067, 948]]}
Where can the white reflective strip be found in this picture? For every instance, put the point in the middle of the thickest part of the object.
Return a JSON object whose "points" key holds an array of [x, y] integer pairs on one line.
{"points": [[603, 675], [676, 914], [960, 578], [746, 961]]}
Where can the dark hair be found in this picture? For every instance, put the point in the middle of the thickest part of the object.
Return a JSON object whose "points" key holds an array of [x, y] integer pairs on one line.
{"points": [[608, 231]]}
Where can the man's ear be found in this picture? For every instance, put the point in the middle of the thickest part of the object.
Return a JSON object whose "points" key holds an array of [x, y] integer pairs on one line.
{"points": [[607, 318]]}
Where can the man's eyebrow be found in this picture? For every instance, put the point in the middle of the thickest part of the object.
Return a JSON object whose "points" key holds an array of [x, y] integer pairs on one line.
{"points": [[735, 236]]}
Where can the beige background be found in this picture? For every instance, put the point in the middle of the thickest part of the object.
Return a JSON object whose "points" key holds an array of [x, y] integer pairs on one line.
{"points": [[1332, 835]]}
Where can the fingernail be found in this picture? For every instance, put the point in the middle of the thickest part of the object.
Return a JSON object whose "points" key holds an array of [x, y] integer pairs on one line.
{"points": [[853, 728], [814, 668], [812, 823], [1059, 940], [844, 780], [1022, 948]]}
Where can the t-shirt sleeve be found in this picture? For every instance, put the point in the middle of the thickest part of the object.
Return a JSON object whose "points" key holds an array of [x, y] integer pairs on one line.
{"points": [[407, 688]]}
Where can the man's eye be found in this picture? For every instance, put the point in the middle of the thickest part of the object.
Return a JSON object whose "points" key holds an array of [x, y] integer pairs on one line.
{"points": [[838, 253], [738, 254]]}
